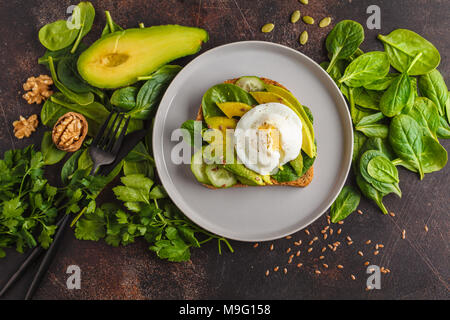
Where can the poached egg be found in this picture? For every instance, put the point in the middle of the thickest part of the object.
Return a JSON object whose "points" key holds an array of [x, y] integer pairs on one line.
{"points": [[267, 137]]}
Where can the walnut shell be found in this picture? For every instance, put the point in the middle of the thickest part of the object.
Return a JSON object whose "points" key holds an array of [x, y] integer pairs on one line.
{"points": [[69, 131]]}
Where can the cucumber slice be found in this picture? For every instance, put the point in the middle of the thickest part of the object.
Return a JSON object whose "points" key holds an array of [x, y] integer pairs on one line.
{"points": [[198, 167], [219, 177], [249, 83]]}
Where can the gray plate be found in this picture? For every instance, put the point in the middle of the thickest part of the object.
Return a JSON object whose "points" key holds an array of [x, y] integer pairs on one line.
{"points": [[256, 213]]}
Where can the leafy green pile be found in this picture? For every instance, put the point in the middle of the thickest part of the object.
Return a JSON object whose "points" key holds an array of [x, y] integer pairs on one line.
{"points": [[145, 211], [29, 204], [397, 117]]}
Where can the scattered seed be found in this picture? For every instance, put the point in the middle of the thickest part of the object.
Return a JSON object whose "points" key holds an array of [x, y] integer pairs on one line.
{"points": [[256, 245], [376, 246], [285, 270], [330, 246], [341, 222], [288, 237], [276, 268], [323, 231], [381, 245], [349, 239], [321, 257], [328, 220], [350, 243], [311, 242], [392, 214], [404, 234], [271, 247], [340, 266], [303, 1], [366, 263], [368, 242], [368, 288], [307, 232], [325, 265], [298, 253], [331, 231], [325, 22], [339, 231], [325, 236], [353, 277], [299, 265], [371, 270], [359, 211], [310, 249], [317, 272], [426, 228], [267, 273], [295, 16], [334, 249], [268, 27], [376, 252], [315, 238], [288, 250], [308, 20], [324, 249], [360, 253]]}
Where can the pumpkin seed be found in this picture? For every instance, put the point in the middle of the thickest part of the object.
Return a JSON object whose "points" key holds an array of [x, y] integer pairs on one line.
{"points": [[325, 22], [308, 20], [268, 27], [303, 1], [295, 16], [303, 38]]}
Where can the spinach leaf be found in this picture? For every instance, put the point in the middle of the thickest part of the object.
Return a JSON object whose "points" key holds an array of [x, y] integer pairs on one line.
{"points": [[223, 92], [285, 174], [405, 137], [365, 69], [381, 186], [359, 140], [380, 145], [70, 166], [370, 119], [376, 130], [69, 77], [124, 98], [57, 35], [151, 92], [403, 46], [443, 131], [110, 26], [60, 54], [346, 203], [381, 84], [368, 99], [83, 17], [343, 41], [80, 98], [381, 169], [370, 192], [51, 112], [396, 97], [424, 111], [49, 151], [307, 162], [432, 86], [434, 156]]}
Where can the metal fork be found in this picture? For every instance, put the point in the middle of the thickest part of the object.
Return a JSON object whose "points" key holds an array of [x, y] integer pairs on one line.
{"points": [[107, 142]]}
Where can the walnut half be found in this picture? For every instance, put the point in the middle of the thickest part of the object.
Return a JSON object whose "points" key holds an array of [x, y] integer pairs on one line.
{"points": [[38, 89], [25, 127], [69, 131]]}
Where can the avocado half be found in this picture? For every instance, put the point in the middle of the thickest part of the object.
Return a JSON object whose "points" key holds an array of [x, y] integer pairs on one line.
{"points": [[117, 59]]}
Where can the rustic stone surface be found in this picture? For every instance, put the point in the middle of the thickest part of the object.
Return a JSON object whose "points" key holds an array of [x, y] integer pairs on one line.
{"points": [[418, 264]]}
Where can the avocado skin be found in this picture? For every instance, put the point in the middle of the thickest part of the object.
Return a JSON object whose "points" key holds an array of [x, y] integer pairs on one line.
{"points": [[165, 43]]}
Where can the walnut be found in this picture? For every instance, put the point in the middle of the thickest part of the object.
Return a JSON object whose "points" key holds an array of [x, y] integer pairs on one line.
{"points": [[69, 131], [24, 127], [38, 89]]}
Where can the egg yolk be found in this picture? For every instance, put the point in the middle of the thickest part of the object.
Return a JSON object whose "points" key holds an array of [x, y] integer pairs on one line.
{"points": [[273, 136]]}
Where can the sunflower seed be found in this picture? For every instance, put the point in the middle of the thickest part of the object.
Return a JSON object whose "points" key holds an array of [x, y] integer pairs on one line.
{"points": [[295, 16], [303, 38], [308, 20], [268, 27], [325, 22]]}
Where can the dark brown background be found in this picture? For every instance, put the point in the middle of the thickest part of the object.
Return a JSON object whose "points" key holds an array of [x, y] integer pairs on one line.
{"points": [[419, 264]]}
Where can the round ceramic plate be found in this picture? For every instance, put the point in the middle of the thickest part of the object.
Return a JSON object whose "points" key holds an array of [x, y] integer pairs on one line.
{"points": [[256, 213]]}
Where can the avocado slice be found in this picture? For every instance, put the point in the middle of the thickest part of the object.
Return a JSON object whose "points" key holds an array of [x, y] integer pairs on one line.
{"points": [[221, 123], [288, 99], [240, 170], [117, 59], [233, 109]]}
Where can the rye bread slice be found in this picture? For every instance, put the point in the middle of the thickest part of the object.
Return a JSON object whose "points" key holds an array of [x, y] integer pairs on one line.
{"points": [[303, 181]]}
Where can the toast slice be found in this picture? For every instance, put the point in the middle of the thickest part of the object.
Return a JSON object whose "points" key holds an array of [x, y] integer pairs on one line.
{"points": [[303, 181]]}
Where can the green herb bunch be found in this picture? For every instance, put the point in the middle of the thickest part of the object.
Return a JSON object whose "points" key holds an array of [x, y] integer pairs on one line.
{"points": [[397, 117]]}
